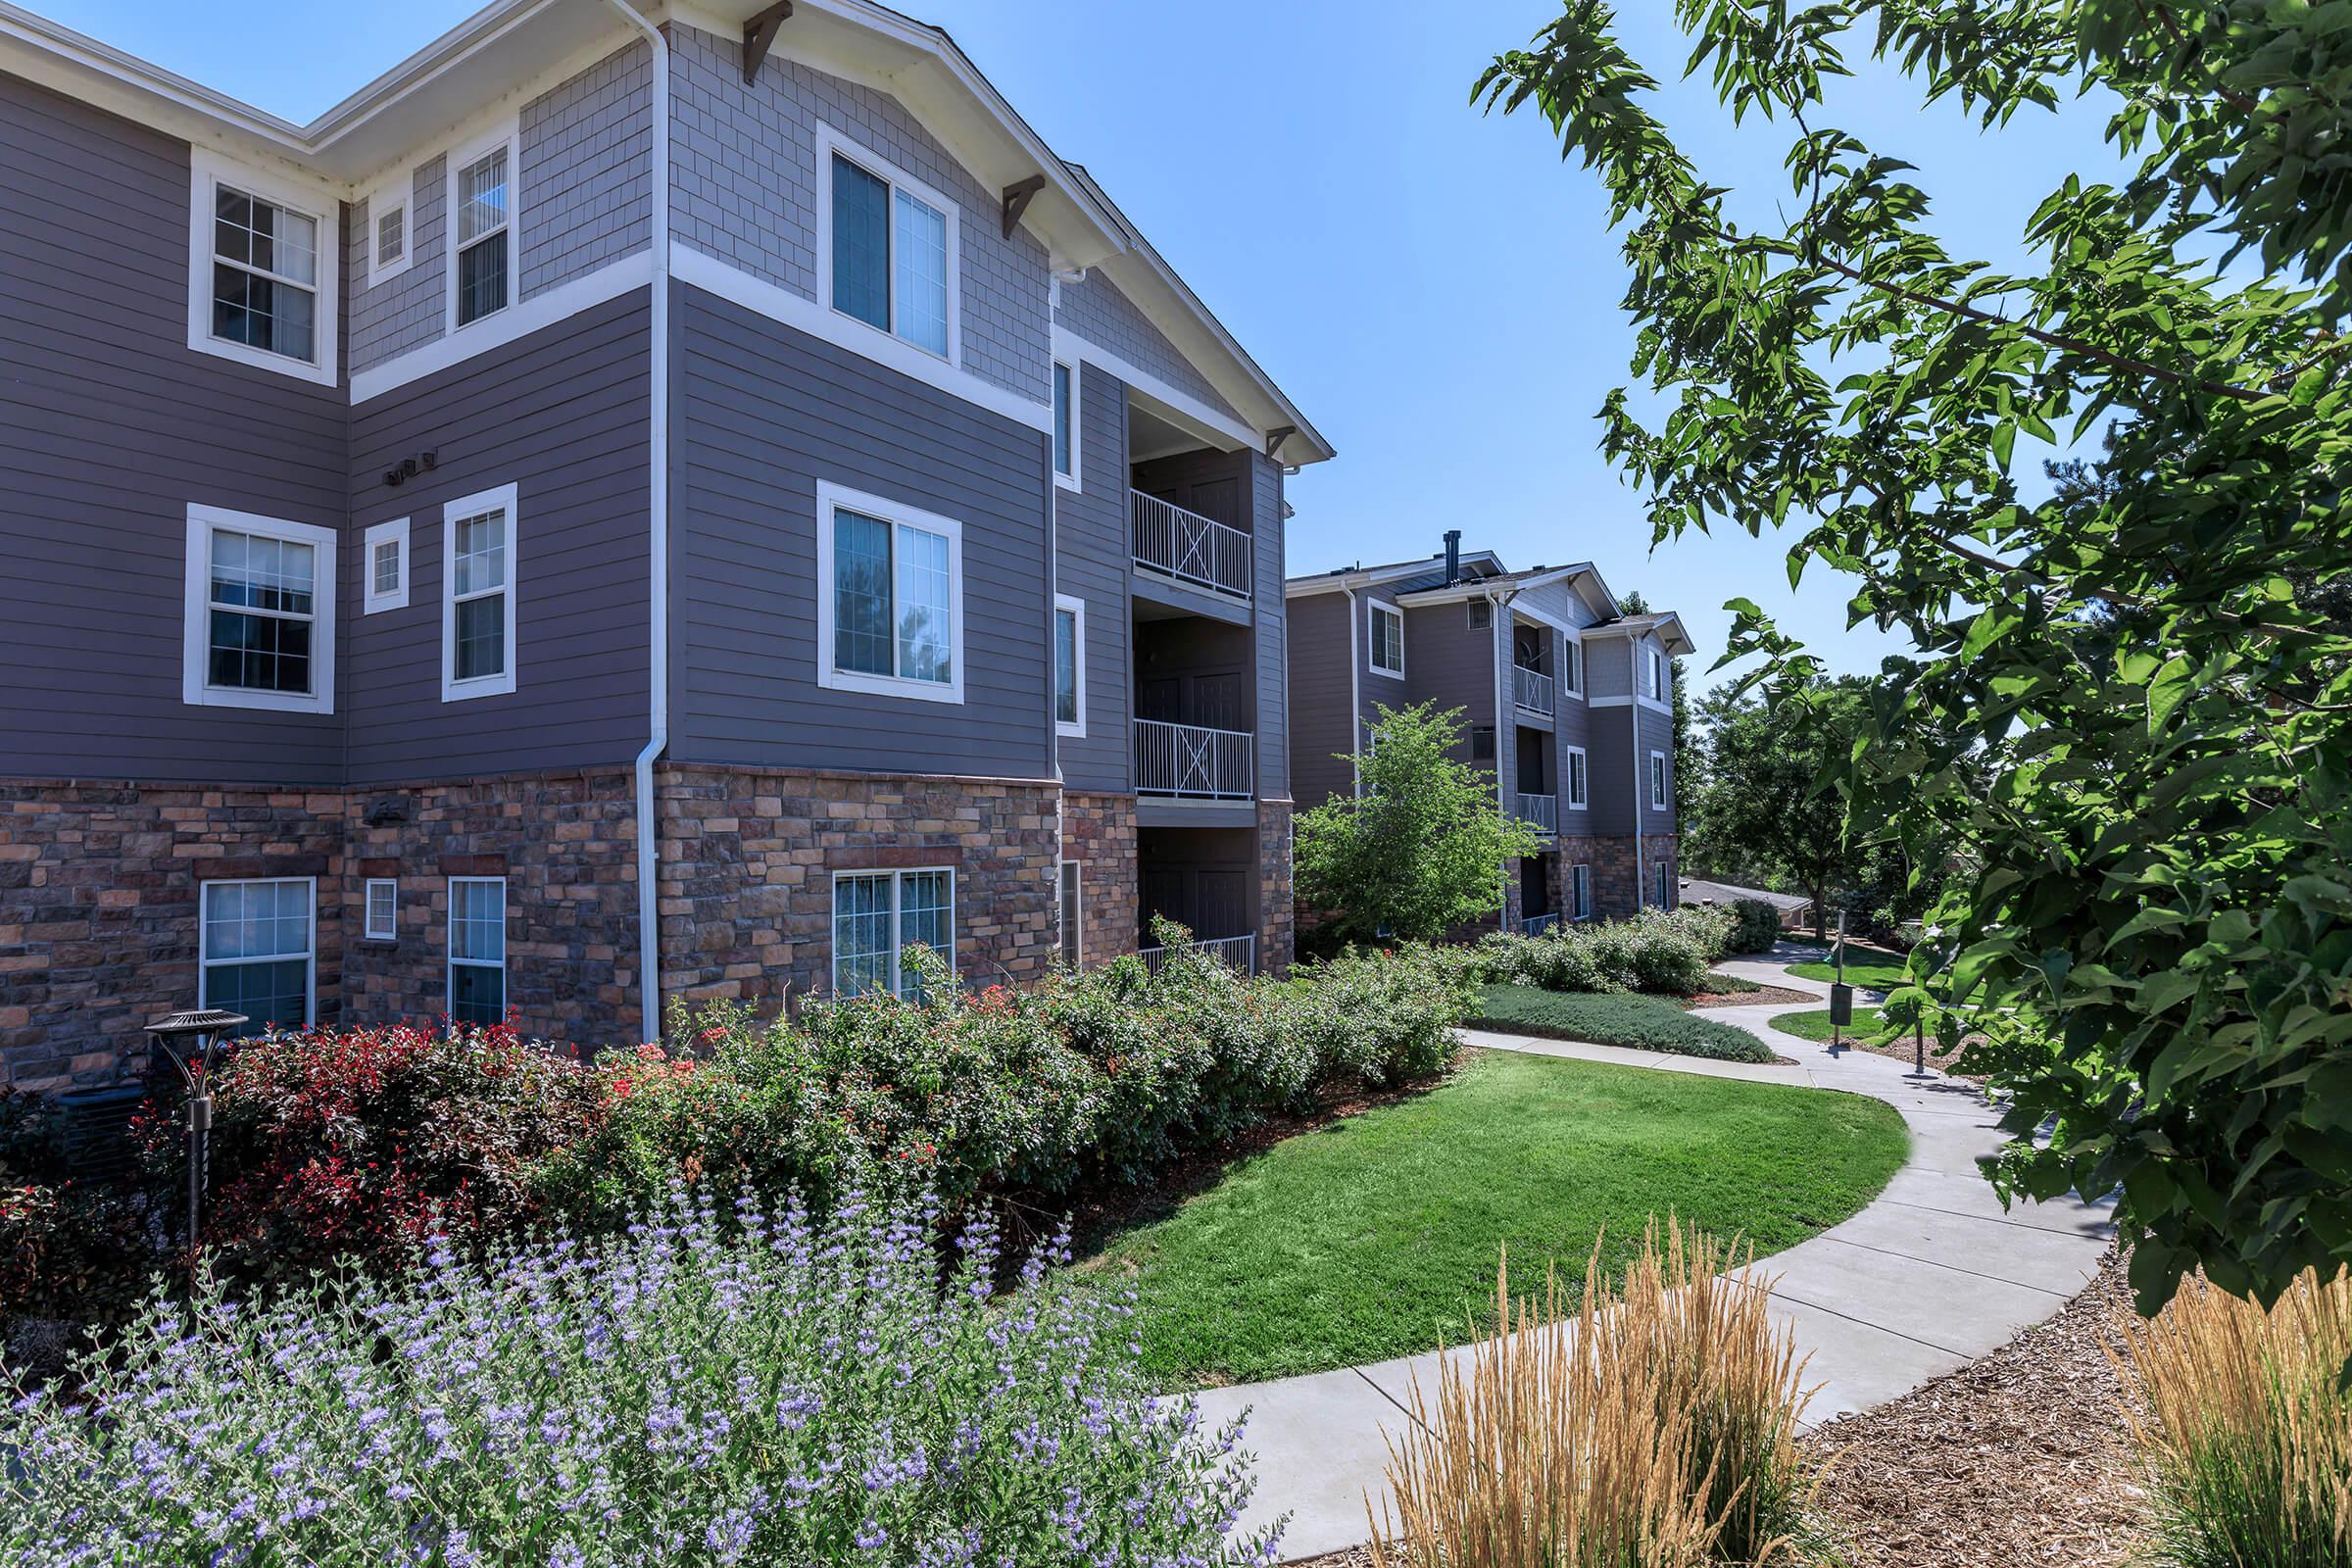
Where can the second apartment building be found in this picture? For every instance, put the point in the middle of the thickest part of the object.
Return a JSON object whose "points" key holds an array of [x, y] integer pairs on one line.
{"points": [[1566, 698], [632, 506]]}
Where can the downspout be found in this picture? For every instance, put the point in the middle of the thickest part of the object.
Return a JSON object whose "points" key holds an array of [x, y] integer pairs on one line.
{"points": [[1358, 653], [649, 856], [1501, 639], [1633, 669]]}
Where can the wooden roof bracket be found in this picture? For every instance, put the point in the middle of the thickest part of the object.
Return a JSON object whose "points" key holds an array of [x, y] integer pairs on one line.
{"points": [[1017, 196], [759, 36], [1277, 437]]}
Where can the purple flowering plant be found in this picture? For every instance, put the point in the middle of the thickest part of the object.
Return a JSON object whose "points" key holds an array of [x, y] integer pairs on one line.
{"points": [[755, 1388]]}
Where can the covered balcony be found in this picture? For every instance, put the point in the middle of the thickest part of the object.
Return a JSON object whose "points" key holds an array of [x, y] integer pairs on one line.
{"points": [[1195, 710], [1190, 517], [1537, 800], [1534, 689], [1206, 881], [1194, 550]]}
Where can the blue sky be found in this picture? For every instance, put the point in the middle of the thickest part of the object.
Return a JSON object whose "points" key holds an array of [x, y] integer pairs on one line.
{"points": [[1436, 289]]}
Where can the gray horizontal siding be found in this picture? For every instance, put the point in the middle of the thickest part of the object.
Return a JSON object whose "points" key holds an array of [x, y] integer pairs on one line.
{"points": [[1657, 734], [110, 426], [562, 415], [1089, 536], [1097, 311], [764, 412], [1273, 633], [1319, 697]]}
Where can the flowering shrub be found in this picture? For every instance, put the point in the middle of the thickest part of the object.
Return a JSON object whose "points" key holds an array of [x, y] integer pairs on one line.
{"points": [[358, 1142], [1106, 1073], [1667, 952], [689, 1394]]}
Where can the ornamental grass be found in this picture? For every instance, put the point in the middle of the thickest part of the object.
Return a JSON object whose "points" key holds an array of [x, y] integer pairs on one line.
{"points": [[1656, 1429], [2246, 1429]]}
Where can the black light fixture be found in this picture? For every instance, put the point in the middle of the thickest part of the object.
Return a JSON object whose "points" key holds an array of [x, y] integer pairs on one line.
{"points": [[192, 1040]]}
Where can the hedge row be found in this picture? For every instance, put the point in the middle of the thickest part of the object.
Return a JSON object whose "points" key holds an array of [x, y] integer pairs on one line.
{"points": [[1641, 1022]]}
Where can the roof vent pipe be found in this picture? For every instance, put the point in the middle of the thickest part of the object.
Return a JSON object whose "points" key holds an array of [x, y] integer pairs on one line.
{"points": [[1453, 557]]}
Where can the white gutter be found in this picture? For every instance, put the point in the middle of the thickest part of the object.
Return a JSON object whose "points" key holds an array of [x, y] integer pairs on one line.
{"points": [[1633, 716], [649, 851], [1501, 639]]}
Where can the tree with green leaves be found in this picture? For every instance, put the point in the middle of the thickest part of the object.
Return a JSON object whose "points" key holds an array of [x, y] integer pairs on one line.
{"points": [[1422, 847], [2124, 703]]}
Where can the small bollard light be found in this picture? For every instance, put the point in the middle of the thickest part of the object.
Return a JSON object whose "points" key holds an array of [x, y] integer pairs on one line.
{"points": [[192, 1040]]}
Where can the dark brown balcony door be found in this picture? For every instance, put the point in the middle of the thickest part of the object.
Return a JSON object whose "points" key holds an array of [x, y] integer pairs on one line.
{"points": [[1214, 701], [1534, 885], [1209, 901]]}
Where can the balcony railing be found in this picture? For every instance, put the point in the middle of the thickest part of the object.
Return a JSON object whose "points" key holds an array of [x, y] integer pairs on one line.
{"points": [[1535, 925], [1190, 548], [1194, 762], [1532, 689], [1540, 810], [1239, 952]]}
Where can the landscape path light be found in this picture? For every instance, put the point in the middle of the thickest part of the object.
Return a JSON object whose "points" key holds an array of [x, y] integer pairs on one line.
{"points": [[192, 1040]]}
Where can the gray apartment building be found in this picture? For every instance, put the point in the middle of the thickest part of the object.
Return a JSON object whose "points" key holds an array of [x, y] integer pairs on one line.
{"points": [[1568, 701], [634, 505]]}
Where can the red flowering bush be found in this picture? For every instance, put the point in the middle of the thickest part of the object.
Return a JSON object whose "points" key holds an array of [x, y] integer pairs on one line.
{"points": [[360, 1142]]}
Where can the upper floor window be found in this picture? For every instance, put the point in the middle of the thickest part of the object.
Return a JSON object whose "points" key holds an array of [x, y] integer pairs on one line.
{"points": [[482, 238], [893, 245], [1069, 664], [1065, 426], [388, 226], [262, 260], [1482, 614], [1578, 781], [1388, 641], [1657, 674], [478, 595], [259, 953], [1572, 665], [386, 564], [259, 614], [1657, 781], [890, 598]]}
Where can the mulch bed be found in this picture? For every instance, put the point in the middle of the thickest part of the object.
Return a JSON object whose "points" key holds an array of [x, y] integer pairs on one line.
{"points": [[2014, 1461], [1761, 996]]}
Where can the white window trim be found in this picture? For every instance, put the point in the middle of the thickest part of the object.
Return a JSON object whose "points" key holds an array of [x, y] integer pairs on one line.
{"points": [[195, 670], [1077, 607], [1075, 479], [207, 170], [1580, 874], [450, 961], [1661, 793], [389, 930], [398, 192], [1571, 774], [830, 496], [508, 134], [204, 966], [1073, 922], [830, 141], [1572, 657], [454, 690], [395, 531], [897, 874], [1372, 641]]}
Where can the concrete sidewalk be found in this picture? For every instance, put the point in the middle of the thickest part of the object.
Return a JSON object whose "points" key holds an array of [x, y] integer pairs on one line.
{"points": [[1932, 1275]]}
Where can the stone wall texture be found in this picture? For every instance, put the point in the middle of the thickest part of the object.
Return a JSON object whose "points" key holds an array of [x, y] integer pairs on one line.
{"points": [[1099, 832], [1277, 904], [749, 857]]}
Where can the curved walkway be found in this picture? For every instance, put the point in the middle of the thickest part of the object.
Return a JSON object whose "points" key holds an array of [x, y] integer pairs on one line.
{"points": [[1929, 1276]]}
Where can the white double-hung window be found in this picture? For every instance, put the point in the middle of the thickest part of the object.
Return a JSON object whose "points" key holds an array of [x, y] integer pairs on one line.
{"points": [[386, 561], [1658, 797], [877, 915], [889, 248], [478, 595], [262, 267], [1065, 424], [1069, 666], [1388, 641], [477, 949], [260, 952], [260, 614], [888, 597], [1578, 779], [481, 237]]}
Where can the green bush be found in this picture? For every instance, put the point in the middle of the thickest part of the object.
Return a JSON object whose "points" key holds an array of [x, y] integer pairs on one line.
{"points": [[1664, 952], [1756, 926], [69, 1250], [1641, 1022]]}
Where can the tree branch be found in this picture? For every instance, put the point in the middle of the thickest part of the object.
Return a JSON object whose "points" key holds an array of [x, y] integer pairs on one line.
{"points": [[2196, 53]]}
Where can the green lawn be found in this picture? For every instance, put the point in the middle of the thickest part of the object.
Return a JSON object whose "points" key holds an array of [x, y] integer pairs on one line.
{"points": [[1815, 1025], [1875, 967], [1376, 1235], [1645, 1024]]}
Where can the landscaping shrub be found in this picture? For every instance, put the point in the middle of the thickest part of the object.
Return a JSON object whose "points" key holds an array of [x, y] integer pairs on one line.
{"points": [[1665, 951], [1756, 926], [1656, 1429], [1641, 1022], [340, 1143], [766, 1390], [2247, 1432], [71, 1250]]}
